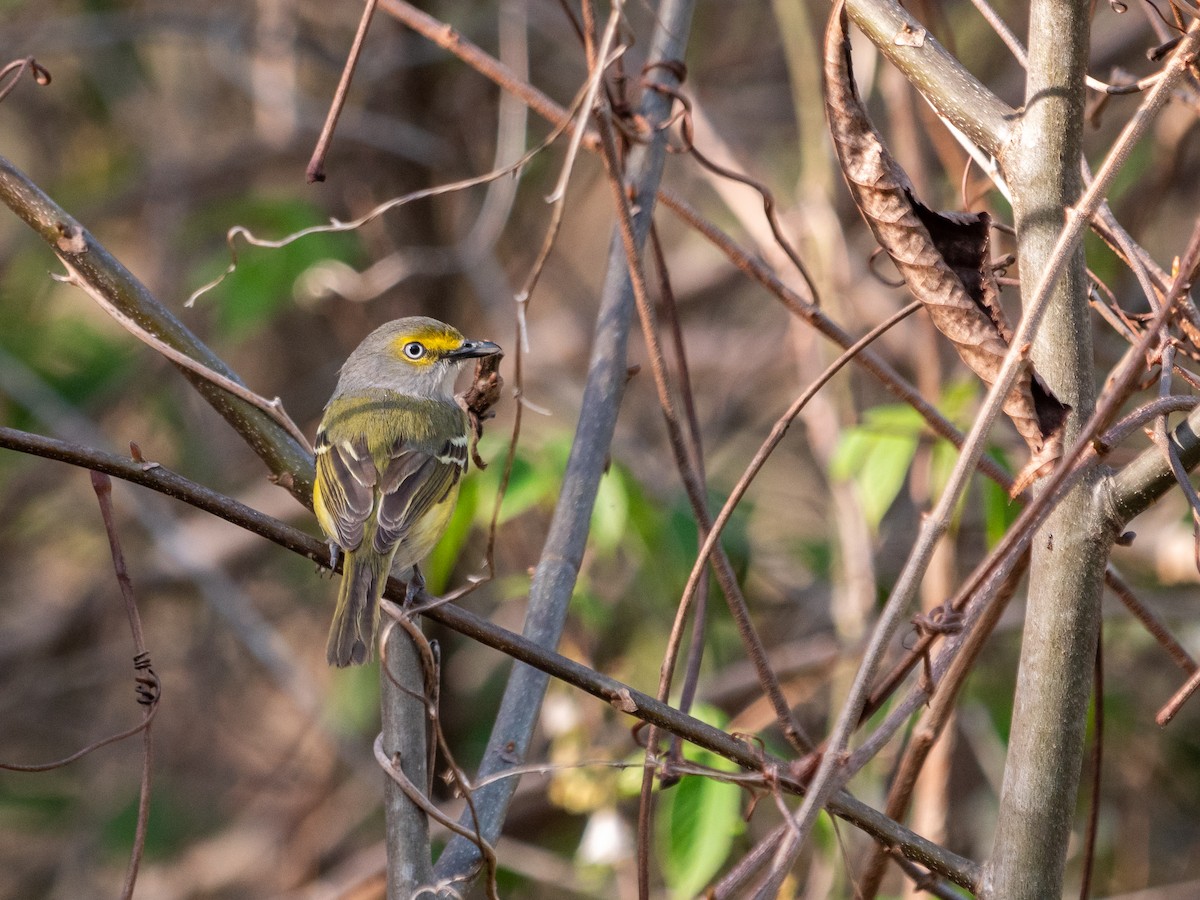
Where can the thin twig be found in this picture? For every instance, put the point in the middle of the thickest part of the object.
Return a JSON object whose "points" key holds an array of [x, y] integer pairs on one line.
{"points": [[149, 689], [733, 883], [1150, 622], [316, 165], [273, 408], [1155, 409], [557, 199], [695, 490], [695, 654], [1171, 707], [334, 226], [17, 68], [687, 130], [77, 755], [595, 79], [448, 38]]}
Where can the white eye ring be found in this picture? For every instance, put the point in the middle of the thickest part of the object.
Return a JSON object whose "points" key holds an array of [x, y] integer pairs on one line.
{"points": [[414, 350]]}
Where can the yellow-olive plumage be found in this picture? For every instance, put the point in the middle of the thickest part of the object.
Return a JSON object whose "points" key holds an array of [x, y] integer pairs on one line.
{"points": [[391, 449]]}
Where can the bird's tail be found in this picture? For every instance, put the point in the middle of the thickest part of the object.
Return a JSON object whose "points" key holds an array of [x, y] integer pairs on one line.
{"points": [[356, 616]]}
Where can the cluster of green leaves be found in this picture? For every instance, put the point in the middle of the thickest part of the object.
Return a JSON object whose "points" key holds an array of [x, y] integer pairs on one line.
{"points": [[655, 536], [878, 454], [699, 819]]}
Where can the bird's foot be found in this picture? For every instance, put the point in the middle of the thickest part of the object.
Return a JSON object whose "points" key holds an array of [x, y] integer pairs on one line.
{"points": [[335, 557], [414, 588]]}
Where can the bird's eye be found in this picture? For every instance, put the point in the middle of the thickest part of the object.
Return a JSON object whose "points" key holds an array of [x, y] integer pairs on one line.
{"points": [[414, 350]]}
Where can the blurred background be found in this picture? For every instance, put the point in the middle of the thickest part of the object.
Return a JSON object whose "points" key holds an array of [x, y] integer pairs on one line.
{"points": [[167, 124]]}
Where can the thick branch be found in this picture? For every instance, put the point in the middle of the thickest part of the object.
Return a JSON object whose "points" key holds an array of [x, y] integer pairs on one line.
{"points": [[941, 78], [1148, 476], [403, 739], [1062, 617], [289, 462]]}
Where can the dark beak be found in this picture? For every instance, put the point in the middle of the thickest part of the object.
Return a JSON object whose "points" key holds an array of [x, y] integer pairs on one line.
{"points": [[473, 349]]}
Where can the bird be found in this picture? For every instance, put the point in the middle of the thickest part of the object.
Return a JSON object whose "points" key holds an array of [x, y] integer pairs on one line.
{"points": [[390, 452]]}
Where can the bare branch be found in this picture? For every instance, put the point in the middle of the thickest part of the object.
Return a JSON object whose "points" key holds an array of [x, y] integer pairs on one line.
{"points": [[289, 462], [642, 706], [316, 165]]}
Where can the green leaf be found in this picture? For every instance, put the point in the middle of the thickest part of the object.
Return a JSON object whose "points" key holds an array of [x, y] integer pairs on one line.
{"points": [[883, 474], [610, 515], [699, 818], [876, 456], [528, 487], [534, 480], [999, 512]]}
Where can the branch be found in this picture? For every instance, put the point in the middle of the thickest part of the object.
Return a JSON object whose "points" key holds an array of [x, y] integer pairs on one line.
{"points": [[961, 871], [403, 742], [1067, 561], [149, 688], [290, 463], [942, 80], [316, 165], [557, 570], [1057, 655]]}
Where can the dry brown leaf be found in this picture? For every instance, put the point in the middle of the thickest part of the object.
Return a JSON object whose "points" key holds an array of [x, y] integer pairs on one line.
{"points": [[480, 397], [943, 258]]}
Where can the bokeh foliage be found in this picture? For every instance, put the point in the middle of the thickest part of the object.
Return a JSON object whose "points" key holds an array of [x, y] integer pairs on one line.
{"points": [[165, 127]]}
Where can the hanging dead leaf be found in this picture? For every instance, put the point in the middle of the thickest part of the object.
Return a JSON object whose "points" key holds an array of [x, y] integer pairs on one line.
{"points": [[943, 258]]}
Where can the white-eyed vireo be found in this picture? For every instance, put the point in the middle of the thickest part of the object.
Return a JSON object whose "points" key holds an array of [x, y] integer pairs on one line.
{"points": [[390, 451]]}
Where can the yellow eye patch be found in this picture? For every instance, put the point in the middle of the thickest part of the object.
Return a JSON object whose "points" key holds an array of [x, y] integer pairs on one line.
{"points": [[425, 346]]}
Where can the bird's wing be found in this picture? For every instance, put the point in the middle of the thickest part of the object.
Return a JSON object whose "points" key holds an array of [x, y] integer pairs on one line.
{"points": [[413, 482], [346, 479]]}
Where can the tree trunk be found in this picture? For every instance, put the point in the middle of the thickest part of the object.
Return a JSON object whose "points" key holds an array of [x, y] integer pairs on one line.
{"points": [[1041, 775]]}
